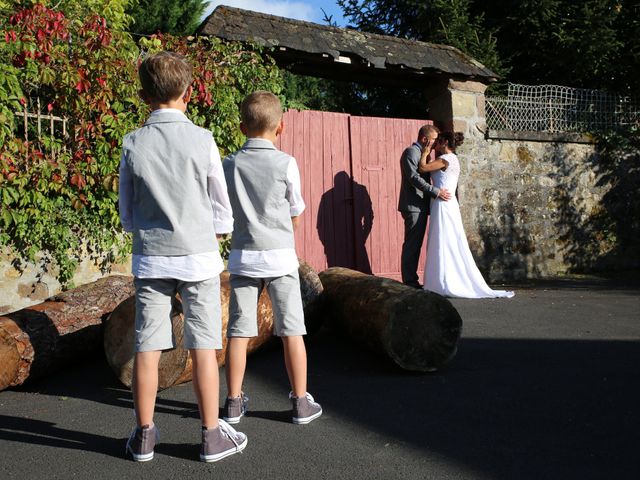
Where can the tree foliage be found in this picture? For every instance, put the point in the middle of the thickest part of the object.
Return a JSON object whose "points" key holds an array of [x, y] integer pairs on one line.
{"points": [[166, 16], [589, 44], [446, 22], [59, 193]]}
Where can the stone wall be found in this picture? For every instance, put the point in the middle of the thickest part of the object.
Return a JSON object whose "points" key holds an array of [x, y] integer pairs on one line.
{"points": [[523, 202], [27, 285], [533, 205], [530, 203]]}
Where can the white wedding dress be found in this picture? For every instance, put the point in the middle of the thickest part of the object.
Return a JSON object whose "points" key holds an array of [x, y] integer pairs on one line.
{"points": [[450, 269]]}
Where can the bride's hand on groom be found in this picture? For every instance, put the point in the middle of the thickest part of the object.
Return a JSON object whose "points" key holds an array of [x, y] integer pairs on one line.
{"points": [[444, 194]]}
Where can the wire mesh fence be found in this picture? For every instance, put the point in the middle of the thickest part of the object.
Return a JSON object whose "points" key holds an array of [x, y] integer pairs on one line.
{"points": [[557, 109]]}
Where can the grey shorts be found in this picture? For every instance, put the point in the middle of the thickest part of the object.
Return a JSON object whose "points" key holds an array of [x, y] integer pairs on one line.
{"points": [[200, 305], [286, 301]]}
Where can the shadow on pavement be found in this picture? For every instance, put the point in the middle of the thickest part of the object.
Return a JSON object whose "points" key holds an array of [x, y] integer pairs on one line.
{"points": [[509, 408], [504, 408], [37, 432]]}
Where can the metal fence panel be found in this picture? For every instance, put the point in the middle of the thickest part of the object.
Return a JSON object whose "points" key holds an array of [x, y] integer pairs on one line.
{"points": [[558, 109]]}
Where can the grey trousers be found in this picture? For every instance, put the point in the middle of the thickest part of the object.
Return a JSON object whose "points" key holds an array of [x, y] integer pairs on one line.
{"points": [[415, 226]]}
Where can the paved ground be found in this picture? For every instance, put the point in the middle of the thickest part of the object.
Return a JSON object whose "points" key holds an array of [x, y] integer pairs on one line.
{"points": [[544, 386]]}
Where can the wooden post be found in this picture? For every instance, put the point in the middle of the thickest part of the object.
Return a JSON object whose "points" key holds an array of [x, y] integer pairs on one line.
{"points": [[39, 120]]}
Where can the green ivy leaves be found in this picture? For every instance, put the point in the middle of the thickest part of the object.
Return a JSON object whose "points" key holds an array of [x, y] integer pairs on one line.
{"points": [[59, 200]]}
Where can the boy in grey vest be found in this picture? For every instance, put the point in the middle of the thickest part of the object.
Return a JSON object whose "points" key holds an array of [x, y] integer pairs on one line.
{"points": [[264, 189], [173, 198]]}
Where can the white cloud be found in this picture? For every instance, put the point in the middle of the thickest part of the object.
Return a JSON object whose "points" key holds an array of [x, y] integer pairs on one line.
{"points": [[281, 8]]}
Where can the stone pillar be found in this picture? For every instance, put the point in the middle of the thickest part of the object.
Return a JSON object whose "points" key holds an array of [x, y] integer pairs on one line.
{"points": [[468, 108], [458, 105]]}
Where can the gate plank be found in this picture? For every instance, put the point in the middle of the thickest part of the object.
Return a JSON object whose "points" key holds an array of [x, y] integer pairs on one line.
{"points": [[350, 172]]}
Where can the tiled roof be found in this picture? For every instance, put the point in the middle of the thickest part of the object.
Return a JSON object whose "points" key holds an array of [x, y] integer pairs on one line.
{"points": [[380, 51]]}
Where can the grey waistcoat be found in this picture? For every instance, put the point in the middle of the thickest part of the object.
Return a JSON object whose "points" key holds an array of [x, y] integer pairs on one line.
{"points": [[168, 159], [257, 183]]}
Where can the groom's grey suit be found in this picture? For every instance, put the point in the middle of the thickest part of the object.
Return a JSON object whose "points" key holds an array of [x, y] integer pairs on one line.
{"points": [[413, 204]]}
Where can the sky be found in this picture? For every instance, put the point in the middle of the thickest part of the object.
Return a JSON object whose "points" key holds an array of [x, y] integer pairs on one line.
{"points": [[308, 10]]}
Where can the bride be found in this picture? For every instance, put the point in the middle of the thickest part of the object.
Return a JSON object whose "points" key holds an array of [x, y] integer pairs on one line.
{"points": [[450, 269]]}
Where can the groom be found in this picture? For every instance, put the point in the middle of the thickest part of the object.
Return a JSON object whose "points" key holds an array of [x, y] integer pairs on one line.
{"points": [[414, 204]]}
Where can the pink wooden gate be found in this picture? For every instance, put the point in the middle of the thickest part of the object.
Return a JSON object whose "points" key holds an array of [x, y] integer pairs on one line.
{"points": [[350, 174]]}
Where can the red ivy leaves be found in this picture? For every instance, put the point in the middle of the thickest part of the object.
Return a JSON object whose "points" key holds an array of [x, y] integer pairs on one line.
{"points": [[78, 180], [97, 33], [203, 95], [10, 36], [40, 25], [83, 84]]}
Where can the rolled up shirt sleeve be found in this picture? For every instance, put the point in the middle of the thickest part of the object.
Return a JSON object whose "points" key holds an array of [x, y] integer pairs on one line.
{"points": [[222, 213], [125, 196], [294, 190]]}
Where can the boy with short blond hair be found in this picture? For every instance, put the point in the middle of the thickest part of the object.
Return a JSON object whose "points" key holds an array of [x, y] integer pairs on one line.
{"points": [[173, 198], [264, 190]]}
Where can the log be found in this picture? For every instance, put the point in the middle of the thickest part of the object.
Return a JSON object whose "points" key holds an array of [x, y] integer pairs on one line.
{"points": [[175, 364], [418, 330], [311, 290], [62, 330]]}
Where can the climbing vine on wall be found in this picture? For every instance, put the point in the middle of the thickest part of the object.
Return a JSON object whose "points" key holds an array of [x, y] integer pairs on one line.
{"points": [[59, 192]]}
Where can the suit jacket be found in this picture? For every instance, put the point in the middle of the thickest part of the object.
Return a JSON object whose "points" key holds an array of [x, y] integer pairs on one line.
{"points": [[414, 185]]}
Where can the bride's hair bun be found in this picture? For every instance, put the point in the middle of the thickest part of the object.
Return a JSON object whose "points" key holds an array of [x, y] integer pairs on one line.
{"points": [[458, 138]]}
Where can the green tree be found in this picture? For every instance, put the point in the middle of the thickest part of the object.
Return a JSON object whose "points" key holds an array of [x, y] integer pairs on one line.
{"points": [[446, 22], [590, 44], [303, 92], [626, 64], [166, 16], [58, 191]]}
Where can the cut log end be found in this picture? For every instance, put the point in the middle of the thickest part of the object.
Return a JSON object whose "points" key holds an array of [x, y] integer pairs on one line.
{"points": [[311, 291], [422, 332], [9, 354], [58, 332]]}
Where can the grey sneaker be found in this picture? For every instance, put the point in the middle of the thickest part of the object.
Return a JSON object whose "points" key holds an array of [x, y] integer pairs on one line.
{"points": [[141, 443], [235, 408], [305, 409], [218, 443]]}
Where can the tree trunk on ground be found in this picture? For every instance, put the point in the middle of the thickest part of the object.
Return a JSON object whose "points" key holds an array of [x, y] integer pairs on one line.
{"points": [[175, 364], [62, 330], [418, 330]]}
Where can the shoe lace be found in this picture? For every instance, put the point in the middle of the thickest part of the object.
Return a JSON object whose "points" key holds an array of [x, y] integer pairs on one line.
{"points": [[307, 394], [229, 431]]}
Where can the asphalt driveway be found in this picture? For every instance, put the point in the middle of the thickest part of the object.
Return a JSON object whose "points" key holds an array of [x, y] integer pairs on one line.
{"points": [[544, 386]]}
